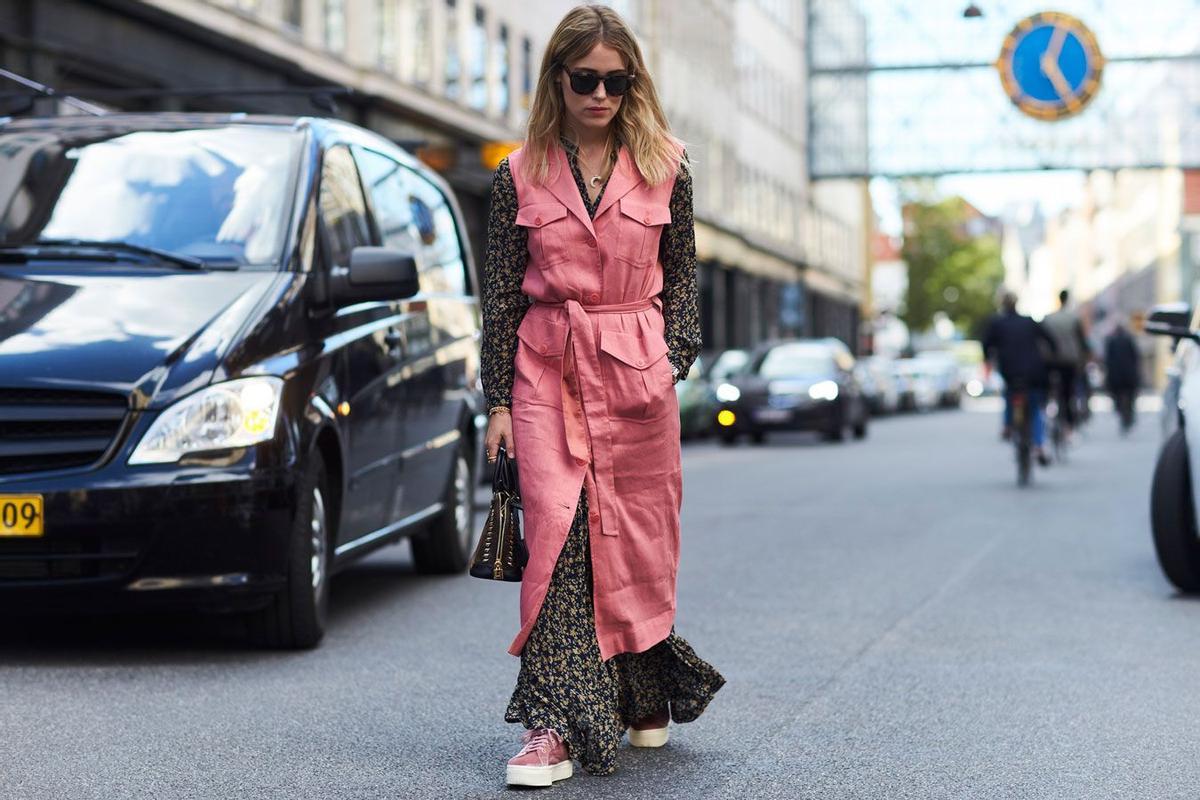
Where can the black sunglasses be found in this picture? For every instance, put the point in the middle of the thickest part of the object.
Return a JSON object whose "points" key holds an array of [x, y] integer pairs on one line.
{"points": [[586, 82]]}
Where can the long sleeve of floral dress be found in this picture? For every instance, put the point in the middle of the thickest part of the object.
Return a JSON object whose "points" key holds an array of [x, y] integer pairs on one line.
{"points": [[504, 305], [680, 296]]}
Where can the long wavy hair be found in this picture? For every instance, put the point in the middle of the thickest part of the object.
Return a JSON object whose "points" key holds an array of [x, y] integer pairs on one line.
{"points": [[640, 124]]}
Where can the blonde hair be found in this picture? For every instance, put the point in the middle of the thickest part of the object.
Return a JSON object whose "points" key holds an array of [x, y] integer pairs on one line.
{"points": [[640, 124]]}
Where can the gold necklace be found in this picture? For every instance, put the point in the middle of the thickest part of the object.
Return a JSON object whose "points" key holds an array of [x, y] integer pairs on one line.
{"points": [[594, 181]]}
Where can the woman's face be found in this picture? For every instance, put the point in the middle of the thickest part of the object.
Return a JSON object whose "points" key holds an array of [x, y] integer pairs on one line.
{"points": [[592, 113]]}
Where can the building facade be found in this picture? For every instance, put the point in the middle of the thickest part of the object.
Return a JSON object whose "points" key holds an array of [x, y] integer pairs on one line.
{"points": [[778, 255]]}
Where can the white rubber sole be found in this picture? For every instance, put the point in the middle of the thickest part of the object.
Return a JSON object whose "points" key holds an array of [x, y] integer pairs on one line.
{"points": [[653, 737], [539, 776]]}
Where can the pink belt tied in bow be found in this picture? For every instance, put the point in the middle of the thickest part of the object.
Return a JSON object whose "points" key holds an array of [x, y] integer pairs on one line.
{"points": [[585, 412]]}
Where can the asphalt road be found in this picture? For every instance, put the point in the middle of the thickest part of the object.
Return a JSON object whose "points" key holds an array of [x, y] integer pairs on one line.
{"points": [[894, 617]]}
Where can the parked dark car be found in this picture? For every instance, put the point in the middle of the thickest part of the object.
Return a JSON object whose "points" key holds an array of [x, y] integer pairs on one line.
{"points": [[803, 384], [1173, 498], [236, 354]]}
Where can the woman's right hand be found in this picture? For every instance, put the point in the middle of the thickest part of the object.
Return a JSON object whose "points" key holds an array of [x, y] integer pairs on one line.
{"points": [[499, 431]]}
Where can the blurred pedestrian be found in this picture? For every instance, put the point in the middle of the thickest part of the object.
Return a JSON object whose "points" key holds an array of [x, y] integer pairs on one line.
{"points": [[1014, 342], [1071, 354], [590, 316], [1122, 366]]}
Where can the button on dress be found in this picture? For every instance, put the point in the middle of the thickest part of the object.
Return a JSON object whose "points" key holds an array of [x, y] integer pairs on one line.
{"points": [[586, 306]]}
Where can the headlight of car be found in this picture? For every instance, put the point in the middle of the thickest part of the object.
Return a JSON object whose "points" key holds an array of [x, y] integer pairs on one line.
{"points": [[823, 390], [728, 393], [233, 414]]}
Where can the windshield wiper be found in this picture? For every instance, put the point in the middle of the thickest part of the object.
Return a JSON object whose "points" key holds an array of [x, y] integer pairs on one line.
{"points": [[178, 259]]}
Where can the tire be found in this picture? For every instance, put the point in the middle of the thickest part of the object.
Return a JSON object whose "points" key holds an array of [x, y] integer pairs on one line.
{"points": [[728, 439], [758, 437], [1173, 516], [445, 547], [1024, 463], [860, 430], [295, 617]]}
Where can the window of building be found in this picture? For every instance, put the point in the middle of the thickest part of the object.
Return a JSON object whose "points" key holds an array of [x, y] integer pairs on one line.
{"points": [[293, 12], [385, 38], [479, 55], [335, 25], [500, 53], [526, 72], [422, 42], [453, 57]]}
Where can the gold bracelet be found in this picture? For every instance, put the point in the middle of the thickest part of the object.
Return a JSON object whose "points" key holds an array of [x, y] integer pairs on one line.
{"points": [[499, 410]]}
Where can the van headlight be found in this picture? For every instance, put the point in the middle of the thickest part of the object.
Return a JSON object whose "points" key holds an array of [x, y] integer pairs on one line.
{"points": [[233, 414]]}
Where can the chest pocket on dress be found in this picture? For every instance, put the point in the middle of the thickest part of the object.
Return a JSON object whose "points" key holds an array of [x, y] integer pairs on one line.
{"points": [[637, 375], [538, 363], [547, 228], [639, 230]]}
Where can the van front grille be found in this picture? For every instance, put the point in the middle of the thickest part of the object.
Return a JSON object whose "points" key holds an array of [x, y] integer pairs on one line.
{"points": [[52, 429], [95, 554]]}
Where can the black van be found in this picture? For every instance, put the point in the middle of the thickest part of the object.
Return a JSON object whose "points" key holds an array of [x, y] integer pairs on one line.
{"points": [[236, 354]]}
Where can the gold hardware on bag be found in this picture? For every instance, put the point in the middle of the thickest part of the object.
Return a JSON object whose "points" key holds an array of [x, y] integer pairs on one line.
{"points": [[501, 554]]}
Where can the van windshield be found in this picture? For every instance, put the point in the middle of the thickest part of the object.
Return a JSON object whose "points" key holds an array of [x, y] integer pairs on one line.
{"points": [[218, 194]]}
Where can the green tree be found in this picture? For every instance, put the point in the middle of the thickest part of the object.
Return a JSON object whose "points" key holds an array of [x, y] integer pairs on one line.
{"points": [[949, 269]]}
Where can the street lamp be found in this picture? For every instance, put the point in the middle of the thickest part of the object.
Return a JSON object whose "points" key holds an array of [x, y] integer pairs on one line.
{"points": [[972, 11]]}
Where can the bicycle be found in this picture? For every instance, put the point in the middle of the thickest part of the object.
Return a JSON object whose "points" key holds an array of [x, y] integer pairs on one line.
{"points": [[1022, 430], [1057, 416]]}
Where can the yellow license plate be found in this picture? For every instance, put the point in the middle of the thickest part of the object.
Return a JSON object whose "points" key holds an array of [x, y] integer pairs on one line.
{"points": [[21, 515]]}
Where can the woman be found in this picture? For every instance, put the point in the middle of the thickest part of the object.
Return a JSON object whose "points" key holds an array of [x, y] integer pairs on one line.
{"points": [[590, 316]]}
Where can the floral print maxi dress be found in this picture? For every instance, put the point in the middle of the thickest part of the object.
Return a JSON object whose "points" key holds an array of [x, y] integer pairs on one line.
{"points": [[563, 683]]}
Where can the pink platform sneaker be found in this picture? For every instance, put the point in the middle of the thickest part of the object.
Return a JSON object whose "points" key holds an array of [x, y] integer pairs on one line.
{"points": [[651, 731], [542, 761]]}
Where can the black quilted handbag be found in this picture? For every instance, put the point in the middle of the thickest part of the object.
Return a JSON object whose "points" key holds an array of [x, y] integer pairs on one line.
{"points": [[501, 554]]}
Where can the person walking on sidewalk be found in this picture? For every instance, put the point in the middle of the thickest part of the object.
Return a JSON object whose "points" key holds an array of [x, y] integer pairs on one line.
{"points": [[1122, 373], [590, 315]]}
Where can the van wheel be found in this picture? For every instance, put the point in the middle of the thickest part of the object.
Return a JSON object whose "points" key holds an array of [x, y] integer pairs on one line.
{"points": [[295, 617], [445, 547], [1173, 516]]}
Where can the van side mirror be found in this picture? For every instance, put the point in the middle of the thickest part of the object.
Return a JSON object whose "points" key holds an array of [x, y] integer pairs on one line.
{"points": [[1171, 319], [375, 273]]}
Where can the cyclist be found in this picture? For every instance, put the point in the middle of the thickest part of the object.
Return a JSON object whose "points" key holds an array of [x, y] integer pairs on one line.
{"points": [[1011, 340], [1071, 353]]}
